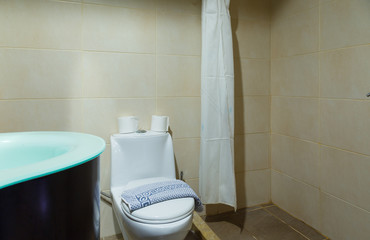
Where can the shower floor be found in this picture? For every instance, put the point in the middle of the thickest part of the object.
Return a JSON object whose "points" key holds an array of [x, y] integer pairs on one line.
{"points": [[264, 222]]}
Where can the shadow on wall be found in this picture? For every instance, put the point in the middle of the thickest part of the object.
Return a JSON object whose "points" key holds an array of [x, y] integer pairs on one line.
{"points": [[239, 119]]}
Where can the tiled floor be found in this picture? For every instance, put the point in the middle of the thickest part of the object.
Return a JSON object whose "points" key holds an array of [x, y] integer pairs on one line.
{"points": [[265, 222]]}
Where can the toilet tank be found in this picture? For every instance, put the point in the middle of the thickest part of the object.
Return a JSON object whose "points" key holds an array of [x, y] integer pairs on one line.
{"points": [[141, 155]]}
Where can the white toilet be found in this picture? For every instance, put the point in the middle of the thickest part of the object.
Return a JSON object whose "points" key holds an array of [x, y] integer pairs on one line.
{"points": [[143, 158]]}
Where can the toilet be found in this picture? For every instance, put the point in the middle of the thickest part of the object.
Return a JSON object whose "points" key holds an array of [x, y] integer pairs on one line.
{"points": [[142, 158]]}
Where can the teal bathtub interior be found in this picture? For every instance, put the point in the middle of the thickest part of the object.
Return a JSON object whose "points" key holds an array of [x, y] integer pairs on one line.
{"points": [[29, 155]]}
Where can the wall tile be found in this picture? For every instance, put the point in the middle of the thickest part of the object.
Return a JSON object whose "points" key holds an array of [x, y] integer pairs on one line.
{"points": [[346, 176], [119, 75], [143, 4], [40, 24], [55, 74], [297, 34], [100, 115], [252, 77], [184, 115], [252, 152], [285, 8], [180, 6], [187, 152], [253, 188], [345, 73], [178, 76], [112, 81], [325, 1], [342, 221], [297, 117], [252, 114], [108, 222], [295, 76], [345, 124], [77, 1], [129, 30], [178, 33], [251, 39], [300, 74], [344, 23], [297, 198], [250, 9], [296, 158], [194, 184], [41, 115], [105, 168]]}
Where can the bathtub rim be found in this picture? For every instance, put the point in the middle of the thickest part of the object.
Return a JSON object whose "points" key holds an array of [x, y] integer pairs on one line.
{"points": [[84, 147]]}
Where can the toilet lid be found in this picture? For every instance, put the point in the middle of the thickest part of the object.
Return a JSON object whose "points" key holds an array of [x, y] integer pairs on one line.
{"points": [[163, 212]]}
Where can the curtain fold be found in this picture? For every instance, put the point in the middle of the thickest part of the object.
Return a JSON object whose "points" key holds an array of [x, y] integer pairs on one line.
{"points": [[216, 168]]}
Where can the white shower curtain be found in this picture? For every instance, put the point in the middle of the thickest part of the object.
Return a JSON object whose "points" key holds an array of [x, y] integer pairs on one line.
{"points": [[216, 168]]}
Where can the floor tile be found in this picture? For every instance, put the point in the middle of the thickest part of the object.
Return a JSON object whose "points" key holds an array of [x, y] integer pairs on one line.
{"points": [[253, 208], [257, 224], [228, 231], [298, 225], [267, 205], [263, 222], [265, 226]]}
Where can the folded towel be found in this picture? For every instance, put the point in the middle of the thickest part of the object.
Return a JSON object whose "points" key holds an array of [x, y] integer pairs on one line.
{"points": [[148, 194]]}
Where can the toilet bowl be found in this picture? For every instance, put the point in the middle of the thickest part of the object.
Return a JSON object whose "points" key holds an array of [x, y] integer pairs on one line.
{"points": [[139, 159]]}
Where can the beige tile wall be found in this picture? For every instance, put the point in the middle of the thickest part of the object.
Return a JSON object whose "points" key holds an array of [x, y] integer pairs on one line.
{"points": [[320, 74], [251, 42], [78, 65]]}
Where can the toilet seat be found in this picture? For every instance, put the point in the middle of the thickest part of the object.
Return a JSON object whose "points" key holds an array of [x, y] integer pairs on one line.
{"points": [[164, 212]]}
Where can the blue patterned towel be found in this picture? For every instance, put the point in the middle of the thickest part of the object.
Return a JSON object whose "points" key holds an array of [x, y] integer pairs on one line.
{"points": [[149, 194]]}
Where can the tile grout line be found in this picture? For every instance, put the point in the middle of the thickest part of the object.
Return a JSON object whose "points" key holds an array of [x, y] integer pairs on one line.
{"points": [[286, 223], [142, 9], [321, 144], [324, 98], [319, 122], [174, 54], [346, 202], [100, 51], [319, 51], [296, 13], [270, 98], [321, 191], [266, 209], [295, 179], [324, 237], [99, 98]]}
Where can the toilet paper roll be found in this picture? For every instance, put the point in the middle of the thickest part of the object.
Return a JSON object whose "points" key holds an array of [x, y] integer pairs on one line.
{"points": [[128, 124], [160, 123]]}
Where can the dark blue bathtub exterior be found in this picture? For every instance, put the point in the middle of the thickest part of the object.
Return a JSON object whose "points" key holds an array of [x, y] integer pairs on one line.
{"points": [[61, 206]]}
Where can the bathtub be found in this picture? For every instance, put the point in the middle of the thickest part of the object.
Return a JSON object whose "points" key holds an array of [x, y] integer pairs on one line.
{"points": [[49, 185]]}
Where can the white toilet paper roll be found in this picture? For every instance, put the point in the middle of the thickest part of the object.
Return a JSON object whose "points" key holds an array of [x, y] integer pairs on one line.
{"points": [[160, 123], [128, 124]]}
